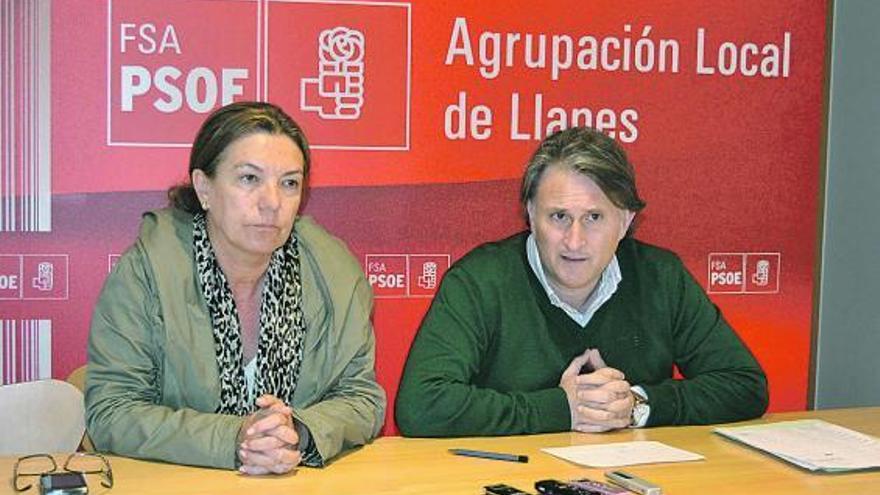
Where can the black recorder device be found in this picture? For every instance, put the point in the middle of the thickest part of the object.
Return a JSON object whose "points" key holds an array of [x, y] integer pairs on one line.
{"points": [[502, 489], [63, 484]]}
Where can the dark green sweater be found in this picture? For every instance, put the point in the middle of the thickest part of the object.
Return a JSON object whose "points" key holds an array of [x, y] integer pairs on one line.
{"points": [[491, 349]]}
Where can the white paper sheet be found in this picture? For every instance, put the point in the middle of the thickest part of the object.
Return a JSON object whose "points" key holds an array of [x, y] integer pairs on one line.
{"points": [[622, 454], [810, 443]]}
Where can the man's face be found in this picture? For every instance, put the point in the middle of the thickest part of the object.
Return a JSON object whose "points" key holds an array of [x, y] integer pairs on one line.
{"points": [[577, 229]]}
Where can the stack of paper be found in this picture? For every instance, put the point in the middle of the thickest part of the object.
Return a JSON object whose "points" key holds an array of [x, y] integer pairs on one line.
{"points": [[811, 444], [622, 454]]}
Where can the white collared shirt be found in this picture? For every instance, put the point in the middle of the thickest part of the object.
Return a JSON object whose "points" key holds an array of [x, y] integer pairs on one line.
{"points": [[605, 288]]}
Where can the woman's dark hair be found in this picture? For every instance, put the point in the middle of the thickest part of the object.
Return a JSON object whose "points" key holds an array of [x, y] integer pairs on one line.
{"points": [[224, 126]]}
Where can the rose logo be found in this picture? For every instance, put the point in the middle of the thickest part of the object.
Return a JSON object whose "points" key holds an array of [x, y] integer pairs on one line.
{"points": [[342, 45], [338, 90]]}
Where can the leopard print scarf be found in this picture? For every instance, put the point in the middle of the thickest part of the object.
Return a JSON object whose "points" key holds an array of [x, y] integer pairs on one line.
{"points": [[282, 326]]}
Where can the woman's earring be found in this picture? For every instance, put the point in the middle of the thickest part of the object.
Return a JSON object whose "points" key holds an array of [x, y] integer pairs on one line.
{"points": [[205, 206]]}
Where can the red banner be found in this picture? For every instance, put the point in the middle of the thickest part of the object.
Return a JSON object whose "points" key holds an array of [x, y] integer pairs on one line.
{"points": [[422, 115]]}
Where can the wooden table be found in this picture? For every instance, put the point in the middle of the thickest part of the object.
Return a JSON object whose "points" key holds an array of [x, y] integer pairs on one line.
{"points": [[394, 465]]}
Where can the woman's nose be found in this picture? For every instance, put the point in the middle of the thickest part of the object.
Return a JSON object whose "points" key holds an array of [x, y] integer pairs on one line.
{"points": [[270, 198]]}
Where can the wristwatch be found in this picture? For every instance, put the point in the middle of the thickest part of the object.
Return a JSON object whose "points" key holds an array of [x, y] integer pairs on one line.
{"points": [[641, 408]]}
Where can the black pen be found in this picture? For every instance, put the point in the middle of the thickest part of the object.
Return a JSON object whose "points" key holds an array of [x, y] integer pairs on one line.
{"points": [[482, 454]]}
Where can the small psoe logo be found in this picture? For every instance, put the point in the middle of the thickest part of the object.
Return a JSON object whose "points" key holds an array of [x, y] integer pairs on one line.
{"points": [[338, 91], [405, 275], [45, 279], [34, 276], [744, 273]]}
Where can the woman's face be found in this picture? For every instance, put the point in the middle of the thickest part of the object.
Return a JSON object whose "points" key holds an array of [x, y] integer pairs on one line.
{"points": [[254, 196]]}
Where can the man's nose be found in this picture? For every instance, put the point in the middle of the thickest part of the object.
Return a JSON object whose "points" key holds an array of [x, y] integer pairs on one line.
{"points": [[575, 236]]}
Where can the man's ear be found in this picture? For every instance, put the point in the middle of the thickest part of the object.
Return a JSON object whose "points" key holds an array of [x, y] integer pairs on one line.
{"points": [[530, 212], [628, 217]]}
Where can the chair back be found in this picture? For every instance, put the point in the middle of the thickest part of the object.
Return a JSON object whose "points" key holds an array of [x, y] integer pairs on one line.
{"points": [[77, 378], [42, 416]]}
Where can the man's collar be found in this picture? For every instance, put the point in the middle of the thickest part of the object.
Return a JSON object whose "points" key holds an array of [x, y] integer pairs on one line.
{"points": [[605, 288]]}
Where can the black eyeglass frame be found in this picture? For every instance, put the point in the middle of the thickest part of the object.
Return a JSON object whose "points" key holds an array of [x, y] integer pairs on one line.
{"points": [[106, 472]]}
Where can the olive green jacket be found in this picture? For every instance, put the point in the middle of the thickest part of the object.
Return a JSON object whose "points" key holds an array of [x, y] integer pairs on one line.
{"points": [[152, 383]]}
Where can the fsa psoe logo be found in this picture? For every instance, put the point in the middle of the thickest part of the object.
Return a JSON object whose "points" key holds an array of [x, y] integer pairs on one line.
{"points": [[34, 276], [405, 275], [168, 67], [744, 273], [343, 70]]}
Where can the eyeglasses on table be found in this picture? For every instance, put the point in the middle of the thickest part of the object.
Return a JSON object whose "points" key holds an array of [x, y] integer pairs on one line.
{"points": [[37, 465]]}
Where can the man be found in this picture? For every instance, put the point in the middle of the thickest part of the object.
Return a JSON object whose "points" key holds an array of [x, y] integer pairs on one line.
{"points": [[574, 325]]}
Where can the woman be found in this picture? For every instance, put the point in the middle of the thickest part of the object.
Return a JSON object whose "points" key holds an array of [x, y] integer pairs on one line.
{"points": [[234, 333]]}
